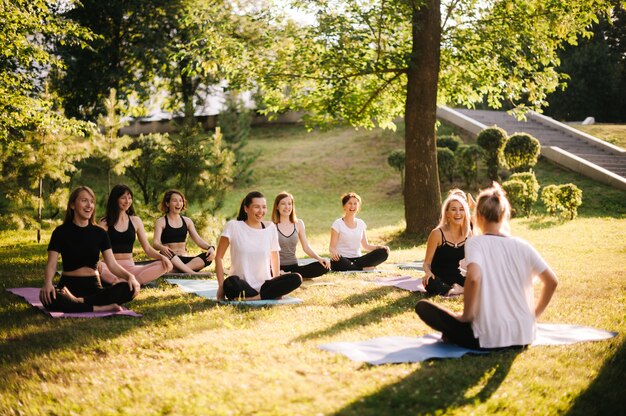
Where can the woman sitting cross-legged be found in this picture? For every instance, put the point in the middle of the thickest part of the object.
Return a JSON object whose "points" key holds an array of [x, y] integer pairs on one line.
{"points": [[123, 225], [446, 248], [348, 235], [290, 231], [254, 272], [170, 235], [80, 241], [499, 310]]}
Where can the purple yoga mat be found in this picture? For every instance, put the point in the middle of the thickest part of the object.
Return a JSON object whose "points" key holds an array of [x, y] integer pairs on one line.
{"points": [[31, 294], [409, 283]]}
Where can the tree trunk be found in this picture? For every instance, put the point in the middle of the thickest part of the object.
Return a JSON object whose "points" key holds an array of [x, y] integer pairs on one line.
{"points": [[422, 197]]}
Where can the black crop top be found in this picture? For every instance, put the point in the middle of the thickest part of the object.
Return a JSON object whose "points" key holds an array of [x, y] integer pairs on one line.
{"points": [[122, 242], [79, 246], [445, 263], [174, 235]]}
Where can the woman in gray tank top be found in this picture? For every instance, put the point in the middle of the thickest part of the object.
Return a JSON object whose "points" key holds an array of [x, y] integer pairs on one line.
{"points": [[290, 231]]}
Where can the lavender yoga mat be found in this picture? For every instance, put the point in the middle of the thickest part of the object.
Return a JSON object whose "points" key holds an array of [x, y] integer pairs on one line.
{"points": [[393, 350], [208, 290], [409, 283], [31, 295]]}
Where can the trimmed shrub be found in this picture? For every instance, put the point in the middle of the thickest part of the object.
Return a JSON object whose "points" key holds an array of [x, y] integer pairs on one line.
{"points": [[396, 160], [532, 188], [570, 198], [517, 194], [451, 141], [549, 198], [467, 163], [521, 152], [492, 140], [446, 163]]}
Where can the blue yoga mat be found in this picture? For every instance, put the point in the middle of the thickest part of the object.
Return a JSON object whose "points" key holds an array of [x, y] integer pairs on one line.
{"points": [[393, 350], [208, 290]]}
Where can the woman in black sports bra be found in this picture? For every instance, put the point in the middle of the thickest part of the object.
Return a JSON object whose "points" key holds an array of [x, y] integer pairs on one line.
{"points": [[80, 241], [170, 235], [446, 248], [120, 215]]}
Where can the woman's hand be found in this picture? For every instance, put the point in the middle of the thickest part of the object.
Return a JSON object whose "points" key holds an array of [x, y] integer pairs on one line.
{"points": [[134, 285], [47, 293], [334, 254], [167, 252], [210, 253], [220, 293], [324, 263], [427, 277], [385, 247]]}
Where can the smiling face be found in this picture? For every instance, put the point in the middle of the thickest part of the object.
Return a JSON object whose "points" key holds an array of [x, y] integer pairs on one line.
{"points": [[176, 203], [256, 210], [455, 214], [352, 206], [285, 206], [125, 201], [84, 207]]}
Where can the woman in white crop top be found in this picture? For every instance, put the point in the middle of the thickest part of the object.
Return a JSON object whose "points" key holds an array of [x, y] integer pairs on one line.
{"points": [[290, 231], [254, 272], [499, 308], [347, 236]]}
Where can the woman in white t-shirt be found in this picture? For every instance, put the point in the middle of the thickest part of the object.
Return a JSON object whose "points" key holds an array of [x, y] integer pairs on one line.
{"points": [[254, 271], [347, 236], [499, 309]]}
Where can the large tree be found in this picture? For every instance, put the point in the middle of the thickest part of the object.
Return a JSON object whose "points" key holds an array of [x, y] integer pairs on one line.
{"points": [[366, 62]]}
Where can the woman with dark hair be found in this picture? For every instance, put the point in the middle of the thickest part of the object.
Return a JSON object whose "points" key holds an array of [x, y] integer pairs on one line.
{"points": [[446, 248], [170, 235], [80, 241], [499, 309], [254, 272], [348, 235], [123, 225], [290, 231]]}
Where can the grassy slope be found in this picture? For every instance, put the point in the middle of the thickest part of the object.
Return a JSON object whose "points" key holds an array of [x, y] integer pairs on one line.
{"points": [[188, 356], [612, 133]]}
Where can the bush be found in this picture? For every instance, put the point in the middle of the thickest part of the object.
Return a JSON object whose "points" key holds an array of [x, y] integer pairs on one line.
{"points": [[517, 194], [396, 160], [532, 188], [562, 198], [451, 141], [570, 198], [492, 140], [467, 163], [521, 152], [445, 163], [549, 198]]}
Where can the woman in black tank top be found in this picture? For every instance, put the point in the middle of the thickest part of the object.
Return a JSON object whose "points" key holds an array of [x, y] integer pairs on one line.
{"points": [[170, 235], [120, 215], [446, 248]]}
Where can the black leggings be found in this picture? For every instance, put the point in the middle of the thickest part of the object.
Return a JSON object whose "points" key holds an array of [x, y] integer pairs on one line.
{"points": [[92, 292], [452, 329], [202, 256], [437, 286], [235, 288], [371, 259], [308, 271]]}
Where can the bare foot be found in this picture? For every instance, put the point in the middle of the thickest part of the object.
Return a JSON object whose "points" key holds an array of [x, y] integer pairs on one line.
{"points": [[456, 290], [71, 297], [114, 307]]}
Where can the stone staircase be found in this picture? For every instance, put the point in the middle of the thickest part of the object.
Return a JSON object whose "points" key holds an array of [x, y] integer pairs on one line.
{"points": [[562, 144]]}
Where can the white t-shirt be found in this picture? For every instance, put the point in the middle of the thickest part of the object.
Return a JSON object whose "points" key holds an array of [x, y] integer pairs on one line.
{"points": [[349, 242], [250, 251], [506, 307]]}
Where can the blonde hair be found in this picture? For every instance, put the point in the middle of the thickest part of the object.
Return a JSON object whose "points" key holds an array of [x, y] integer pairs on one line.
{"points": [[465, 228], [276, 215], [493, 206]]}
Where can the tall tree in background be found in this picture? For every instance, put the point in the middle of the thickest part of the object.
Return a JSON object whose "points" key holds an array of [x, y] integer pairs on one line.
{"points": [[366, 62]]}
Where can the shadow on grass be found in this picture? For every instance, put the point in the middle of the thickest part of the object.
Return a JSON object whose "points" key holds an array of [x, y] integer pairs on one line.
{"points": [[542, 223], [605, 395], [403, 239], [371, 317], [438, 387]]}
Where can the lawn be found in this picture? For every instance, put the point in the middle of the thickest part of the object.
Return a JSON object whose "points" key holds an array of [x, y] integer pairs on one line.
{"points": [[612, 133], [188, 356]]}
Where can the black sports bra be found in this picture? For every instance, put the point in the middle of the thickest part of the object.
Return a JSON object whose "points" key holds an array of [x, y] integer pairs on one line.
{"points": [[122, 242], [174, 235]]}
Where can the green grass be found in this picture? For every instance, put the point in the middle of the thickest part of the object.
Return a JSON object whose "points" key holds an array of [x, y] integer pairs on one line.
{"points": [[612, 133], [188, 356]]}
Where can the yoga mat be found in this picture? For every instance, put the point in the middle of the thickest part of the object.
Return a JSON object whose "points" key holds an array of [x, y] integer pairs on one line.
{"points": [[208, 290], [392, 350], [412, 265], [409, 283], [31, 295]]}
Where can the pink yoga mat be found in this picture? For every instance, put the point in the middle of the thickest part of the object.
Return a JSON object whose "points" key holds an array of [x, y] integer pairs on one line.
{"points": [[31, 294], [409, 283]]}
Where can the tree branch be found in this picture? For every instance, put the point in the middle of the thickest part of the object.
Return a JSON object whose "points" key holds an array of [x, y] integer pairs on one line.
{"points": [[398, 71], [377, 92]]}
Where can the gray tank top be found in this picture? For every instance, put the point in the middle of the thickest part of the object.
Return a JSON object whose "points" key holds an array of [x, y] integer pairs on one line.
{"points": [[288, 245]]}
